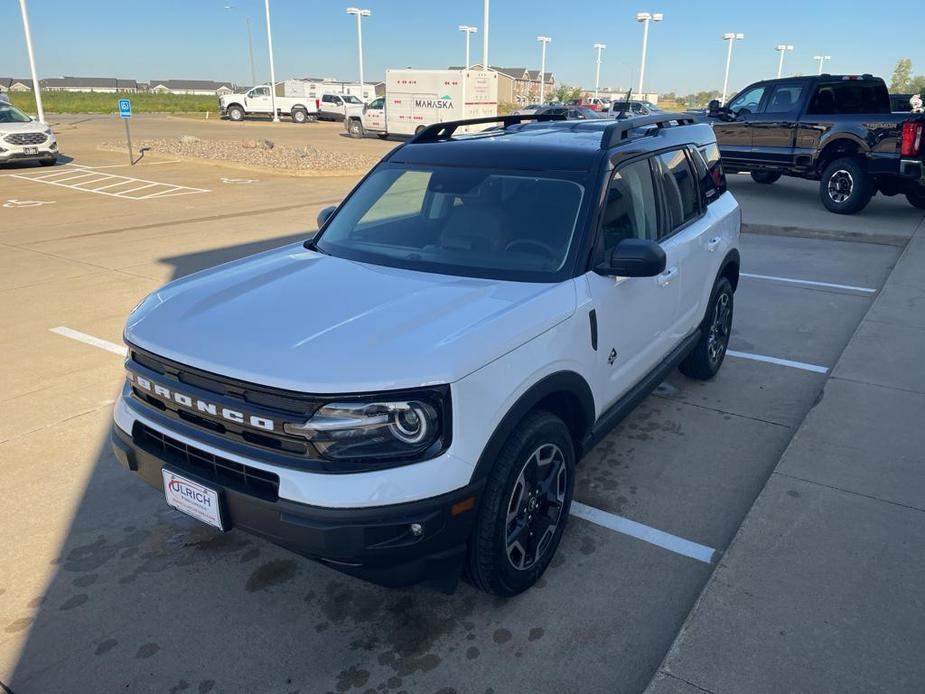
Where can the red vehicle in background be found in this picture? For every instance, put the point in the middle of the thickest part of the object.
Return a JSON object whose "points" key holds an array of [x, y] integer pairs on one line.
{"points": [[595, 104]]}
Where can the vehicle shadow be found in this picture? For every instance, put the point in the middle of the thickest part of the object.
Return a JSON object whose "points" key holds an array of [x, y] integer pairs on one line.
{"points": [[63, 159]]}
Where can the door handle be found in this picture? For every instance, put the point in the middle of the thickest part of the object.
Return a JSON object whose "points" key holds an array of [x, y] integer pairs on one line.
{"points": [[713, 244], [667, 278]]}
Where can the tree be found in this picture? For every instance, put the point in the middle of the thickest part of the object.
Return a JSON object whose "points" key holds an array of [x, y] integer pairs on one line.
{"points": [[902, 74], [917, 85], [566, 93]]}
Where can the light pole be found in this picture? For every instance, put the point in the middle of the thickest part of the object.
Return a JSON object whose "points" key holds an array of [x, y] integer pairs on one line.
{"points": [[35, 77], [821, 59], [272, 66], [250, 45], [731, 38], [468, 31], [645, 18], [597, 74], [543, 41], [485, 64], [781, 48], [359, 15]]}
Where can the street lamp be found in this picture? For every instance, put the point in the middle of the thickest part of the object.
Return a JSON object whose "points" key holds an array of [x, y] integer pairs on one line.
{"points": [[468, 31], [35, 77], [250, 45], [543, 40], [645, 18], [359, 15], [272, 66], [485, 65], [781, 48], [731, 38], [597, 75], [821, 59]]}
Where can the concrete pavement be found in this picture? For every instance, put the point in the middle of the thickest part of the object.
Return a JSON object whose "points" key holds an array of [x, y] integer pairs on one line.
{"points": [[823, 588]]}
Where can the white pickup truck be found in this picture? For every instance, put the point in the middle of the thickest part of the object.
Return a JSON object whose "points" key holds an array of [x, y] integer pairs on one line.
{"points": [[258, 101]]}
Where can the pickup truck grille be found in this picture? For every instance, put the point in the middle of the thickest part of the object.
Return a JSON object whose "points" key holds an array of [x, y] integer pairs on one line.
{"points": [[243, 413], [242, 478], [26, 138]]}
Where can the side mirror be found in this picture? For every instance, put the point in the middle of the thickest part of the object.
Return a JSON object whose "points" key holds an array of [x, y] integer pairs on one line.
{"points": [[633, 258], [713, 108], [324, 215]]}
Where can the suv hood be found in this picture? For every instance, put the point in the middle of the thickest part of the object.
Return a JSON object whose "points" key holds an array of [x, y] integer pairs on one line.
{"points": [[31, 127], [299, 320]]}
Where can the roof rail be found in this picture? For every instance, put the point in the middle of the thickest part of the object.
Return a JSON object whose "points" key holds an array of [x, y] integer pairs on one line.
{"points": [[619, 131], [445, 130]]}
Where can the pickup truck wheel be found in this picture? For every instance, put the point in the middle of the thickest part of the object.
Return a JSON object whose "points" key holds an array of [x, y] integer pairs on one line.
{"points": [[524, 507], [916, 198], [707, 356], [356, 128], [299, 115], [766, 176], [236, 113], [845, 187]]}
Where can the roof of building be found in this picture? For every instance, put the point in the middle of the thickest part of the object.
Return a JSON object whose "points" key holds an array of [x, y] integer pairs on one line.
{"points": [[211, 85], [534, 75], [7, 81], [89, 82]]}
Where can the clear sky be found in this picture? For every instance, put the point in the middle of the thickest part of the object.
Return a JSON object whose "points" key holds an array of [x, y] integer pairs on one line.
{"points": [[199, 39]]}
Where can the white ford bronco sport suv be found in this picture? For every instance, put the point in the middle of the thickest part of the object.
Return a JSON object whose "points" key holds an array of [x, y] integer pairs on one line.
{"points": [[406, 395]]}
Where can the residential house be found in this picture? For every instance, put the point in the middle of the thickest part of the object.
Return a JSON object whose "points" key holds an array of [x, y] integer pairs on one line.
{"points": [[196, 87], [108, 85], [11, 84]]}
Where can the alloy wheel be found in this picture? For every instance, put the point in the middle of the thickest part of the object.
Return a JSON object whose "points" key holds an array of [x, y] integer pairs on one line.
{"points": [[720, 327], [840, 186]]}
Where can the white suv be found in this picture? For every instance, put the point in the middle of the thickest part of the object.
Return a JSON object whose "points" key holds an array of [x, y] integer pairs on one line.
{"points": [[25, 139], [407, 394]]}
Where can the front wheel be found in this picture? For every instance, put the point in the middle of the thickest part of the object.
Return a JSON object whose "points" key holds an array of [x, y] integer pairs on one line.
{"points": [[766, 176], [524, 507], [299, 115], [845, 187], [916, 198], [356, 128], [704, 360], [236, 113]]}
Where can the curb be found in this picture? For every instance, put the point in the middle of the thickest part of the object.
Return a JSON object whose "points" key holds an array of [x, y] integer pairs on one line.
{"points": [[827, 234]]}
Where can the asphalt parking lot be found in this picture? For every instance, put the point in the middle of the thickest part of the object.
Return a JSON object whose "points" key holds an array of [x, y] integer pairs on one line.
{"points": [[104, 588]]}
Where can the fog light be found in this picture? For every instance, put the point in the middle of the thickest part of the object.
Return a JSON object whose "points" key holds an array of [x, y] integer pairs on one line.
{"points": [[417, 529]]}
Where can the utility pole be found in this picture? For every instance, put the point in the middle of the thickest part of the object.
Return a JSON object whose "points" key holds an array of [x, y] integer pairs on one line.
{"points": [[645, 18], [35, 77], [731, 38], [597, 75], [821, 59], [468, 31], [543, 40], [781, 48], [359, 15], [485, 13], [272, 66]]}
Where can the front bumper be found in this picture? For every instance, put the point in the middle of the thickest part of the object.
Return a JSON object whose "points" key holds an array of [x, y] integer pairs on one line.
{"points": [[376, 544], [9, 152]]}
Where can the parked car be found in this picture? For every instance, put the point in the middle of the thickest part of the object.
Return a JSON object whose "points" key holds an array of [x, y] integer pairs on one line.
{"points": [[570, 112], [258, 101], [529, 110], [336, 106], [589, 102], [835, 129], [631, 109], [493, 305], [24, 139]]}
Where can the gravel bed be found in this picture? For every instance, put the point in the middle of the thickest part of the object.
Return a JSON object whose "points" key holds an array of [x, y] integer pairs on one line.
{"points": [[258, 153]]}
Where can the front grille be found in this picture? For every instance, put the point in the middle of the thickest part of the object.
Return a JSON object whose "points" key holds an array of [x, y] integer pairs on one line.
{"points": [[26, 138], [241, 478]]}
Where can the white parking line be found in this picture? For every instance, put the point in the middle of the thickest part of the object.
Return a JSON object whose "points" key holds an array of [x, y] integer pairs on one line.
{"points": [[815, 368], [672, 543], [90, 340], [811, 283], [81, 177]]}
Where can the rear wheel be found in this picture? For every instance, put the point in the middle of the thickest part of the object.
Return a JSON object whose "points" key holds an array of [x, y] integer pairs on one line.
{"points": [[355, 129], [299, 115], [524, 507], [916, 198], [705, 359], [236, 113], [765, 176], [845, 188]]}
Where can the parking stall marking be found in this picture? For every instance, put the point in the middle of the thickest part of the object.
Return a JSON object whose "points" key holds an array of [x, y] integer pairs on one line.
{"points": [[87, 180], [811, 283], [803, 366], [611, 521]]}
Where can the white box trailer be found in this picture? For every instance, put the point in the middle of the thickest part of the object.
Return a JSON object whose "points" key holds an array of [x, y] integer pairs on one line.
{"points": [[318, 88], [415, 99]]}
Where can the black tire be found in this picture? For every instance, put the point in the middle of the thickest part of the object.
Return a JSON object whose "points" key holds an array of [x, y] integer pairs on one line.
{"points": [[766, 176], [355, 128], [499, 563], [48, 162], [236, 113], [845, 188], [705, 360], [916, 198], [299, 115]]}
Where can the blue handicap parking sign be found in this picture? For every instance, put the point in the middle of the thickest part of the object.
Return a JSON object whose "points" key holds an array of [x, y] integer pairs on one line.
{"points": [[125, 108]]}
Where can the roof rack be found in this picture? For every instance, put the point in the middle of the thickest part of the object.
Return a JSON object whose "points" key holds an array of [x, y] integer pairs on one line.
{"points": [[619, 131], [444, 131]]}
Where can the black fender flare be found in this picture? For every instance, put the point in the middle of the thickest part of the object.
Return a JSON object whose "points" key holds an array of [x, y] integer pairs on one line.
{"points": [[576, 409], [730, 268]]}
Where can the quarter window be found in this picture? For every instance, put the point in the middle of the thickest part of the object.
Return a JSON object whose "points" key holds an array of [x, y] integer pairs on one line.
{"points": [[679, 188], [630, 210]]}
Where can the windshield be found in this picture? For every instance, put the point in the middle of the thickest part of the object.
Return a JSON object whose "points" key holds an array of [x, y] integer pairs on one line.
{"points": [[350, 99], [470, 222], [8, 114]]}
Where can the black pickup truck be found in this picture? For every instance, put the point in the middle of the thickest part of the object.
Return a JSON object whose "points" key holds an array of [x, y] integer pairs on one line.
{"points": [[836, 129]]}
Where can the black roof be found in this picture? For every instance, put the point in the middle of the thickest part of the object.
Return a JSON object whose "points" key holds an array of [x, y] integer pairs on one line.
{"points": [[556, 145]]}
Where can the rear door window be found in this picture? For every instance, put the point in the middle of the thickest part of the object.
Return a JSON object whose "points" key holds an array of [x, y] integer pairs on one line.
{"points": [[784, 98], [713, 182], [680, 190]]}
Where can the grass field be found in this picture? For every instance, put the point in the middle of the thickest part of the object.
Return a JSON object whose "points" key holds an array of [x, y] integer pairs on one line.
{"points": [[93, 102]]}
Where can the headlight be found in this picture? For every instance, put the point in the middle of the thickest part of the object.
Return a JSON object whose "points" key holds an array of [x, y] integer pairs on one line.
{"points": [[47, 131], [413, 427]]}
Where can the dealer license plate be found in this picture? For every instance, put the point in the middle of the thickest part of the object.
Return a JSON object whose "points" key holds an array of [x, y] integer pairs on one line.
{"points": [[193, 499], [30, 150]]}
